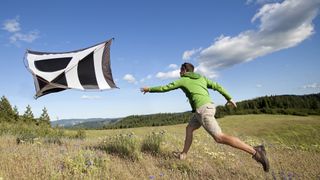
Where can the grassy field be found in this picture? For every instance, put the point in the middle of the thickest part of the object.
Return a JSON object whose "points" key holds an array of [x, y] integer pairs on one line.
{"points": [[292, 143]]}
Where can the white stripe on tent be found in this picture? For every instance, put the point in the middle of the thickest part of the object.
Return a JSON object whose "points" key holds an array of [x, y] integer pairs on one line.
{"points": [[72, 69], [78, 57], [73, 79], [98, 68]]}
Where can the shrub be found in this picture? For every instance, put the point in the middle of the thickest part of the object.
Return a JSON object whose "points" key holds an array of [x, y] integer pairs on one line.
{"points": [[123, 145], [26, 138], [84, 162], [152, 143], [81, 134]]}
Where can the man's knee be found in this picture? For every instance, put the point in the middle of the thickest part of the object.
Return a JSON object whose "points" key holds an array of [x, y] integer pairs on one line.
{"points": [[190, 128], [219, 137]]}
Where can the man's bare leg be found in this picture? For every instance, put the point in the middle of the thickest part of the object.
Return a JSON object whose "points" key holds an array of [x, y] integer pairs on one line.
{"points": [[187, 141], [234, 142]]}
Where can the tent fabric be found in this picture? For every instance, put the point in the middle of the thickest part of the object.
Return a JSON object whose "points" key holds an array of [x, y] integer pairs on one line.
{"points": [[83, 69]]}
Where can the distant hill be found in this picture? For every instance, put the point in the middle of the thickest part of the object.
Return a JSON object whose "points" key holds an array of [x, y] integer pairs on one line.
{"points": [[301, 105], [160, 119], [95, 124], [90, 123]]}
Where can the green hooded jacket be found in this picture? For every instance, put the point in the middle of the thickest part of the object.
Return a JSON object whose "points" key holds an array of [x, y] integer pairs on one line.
{"points": [[195, 87]]}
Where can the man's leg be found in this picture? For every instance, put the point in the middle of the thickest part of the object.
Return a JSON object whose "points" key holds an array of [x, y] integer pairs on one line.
{"points": [[234, 142], [258, 153], [188, 140], [212, 127]]}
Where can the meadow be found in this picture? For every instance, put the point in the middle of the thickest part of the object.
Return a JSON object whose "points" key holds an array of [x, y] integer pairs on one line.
{"points": [[292, 143]]}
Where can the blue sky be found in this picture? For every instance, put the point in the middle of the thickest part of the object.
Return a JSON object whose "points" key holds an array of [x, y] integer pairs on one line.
{"points": [[252, 48]]}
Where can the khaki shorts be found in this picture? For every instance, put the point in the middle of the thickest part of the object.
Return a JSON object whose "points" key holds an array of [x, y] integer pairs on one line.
{"points": [[204, 116]]}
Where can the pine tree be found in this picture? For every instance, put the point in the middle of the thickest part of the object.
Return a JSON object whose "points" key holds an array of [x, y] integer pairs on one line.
{"points": [[28, 115], [6, 111], [44, 117], [16, 113]]}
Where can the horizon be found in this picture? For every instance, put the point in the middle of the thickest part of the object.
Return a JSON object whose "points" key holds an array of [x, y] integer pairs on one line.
{"points": [[253, 48], [175, 112]]}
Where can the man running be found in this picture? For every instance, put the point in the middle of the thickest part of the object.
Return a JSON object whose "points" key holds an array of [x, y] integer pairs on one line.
{"points": [[196, 87]]}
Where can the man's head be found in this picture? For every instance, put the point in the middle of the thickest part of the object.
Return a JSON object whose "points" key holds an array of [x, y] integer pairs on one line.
{"points": [[186, 67]]}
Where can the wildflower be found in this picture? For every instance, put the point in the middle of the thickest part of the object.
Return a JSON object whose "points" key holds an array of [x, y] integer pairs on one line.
{"points": [[89, 162], [151, 177]]}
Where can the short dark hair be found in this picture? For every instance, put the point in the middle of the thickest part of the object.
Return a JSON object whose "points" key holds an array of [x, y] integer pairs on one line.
{"points": [[188, 67]]}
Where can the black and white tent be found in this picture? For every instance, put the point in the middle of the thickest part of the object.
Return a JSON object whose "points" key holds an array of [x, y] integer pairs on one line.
{"points": [[82, 69]]}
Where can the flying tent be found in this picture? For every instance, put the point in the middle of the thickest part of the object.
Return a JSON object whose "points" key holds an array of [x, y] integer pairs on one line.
{"points": [[84, 69]]}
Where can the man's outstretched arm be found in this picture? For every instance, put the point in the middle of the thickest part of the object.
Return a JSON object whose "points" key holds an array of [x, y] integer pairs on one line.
{"points": [[144, 89], [172, 86], [231, 103]]}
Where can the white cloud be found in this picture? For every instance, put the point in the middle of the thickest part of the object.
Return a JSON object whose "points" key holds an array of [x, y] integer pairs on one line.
{"points": [[261, 1], [189, 53], [206, 72], [90, 97], [29, 37], [130, 78], [258, 85], [173, 66], [312, 86], [146, 78], [168, 75], [11, 25], [282, 25]]}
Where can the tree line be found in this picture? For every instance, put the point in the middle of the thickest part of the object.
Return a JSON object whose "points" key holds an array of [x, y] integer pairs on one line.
{"points": [[9, 114], [301, 105], [160, 119]]}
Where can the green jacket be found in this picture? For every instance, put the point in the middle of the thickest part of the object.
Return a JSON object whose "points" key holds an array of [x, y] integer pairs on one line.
{"points": [[195, 87]]}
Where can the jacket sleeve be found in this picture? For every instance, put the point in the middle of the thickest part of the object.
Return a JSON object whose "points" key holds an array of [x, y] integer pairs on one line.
{"points": [[171, 86], [215, 86]]}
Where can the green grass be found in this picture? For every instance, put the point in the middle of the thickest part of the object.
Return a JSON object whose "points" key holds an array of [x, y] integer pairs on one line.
{"points": [[293, 131], [292, 143]]}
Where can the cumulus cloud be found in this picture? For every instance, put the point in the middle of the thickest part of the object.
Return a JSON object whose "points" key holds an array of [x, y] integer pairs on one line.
{"points": [[189, 53], [312, 86], [281, 26], [90, 97], [13, 27], [130, 78], [258, 85], [173, 66], [169, 74], [261, 1], [146, 78], [173, 74], [29, 37]]}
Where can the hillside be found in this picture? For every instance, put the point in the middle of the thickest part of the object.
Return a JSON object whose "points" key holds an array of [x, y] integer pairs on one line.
{"points": [[83, 123], [301, 105], [292, 144]]}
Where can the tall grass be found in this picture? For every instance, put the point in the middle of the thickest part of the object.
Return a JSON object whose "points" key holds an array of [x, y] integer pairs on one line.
{"points": [[123, 145], [152, 143], [120, 154]]}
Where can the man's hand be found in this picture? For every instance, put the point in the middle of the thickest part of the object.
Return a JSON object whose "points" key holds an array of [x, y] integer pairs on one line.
{"points": [[231, 103], [144, 90]]}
